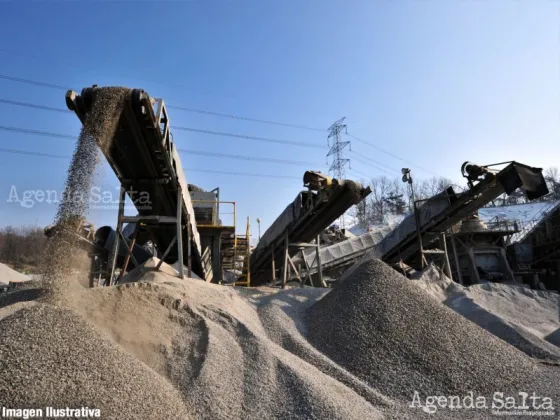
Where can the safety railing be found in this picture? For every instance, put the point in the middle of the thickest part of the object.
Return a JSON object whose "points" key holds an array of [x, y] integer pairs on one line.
{"points": [[210, 214]]}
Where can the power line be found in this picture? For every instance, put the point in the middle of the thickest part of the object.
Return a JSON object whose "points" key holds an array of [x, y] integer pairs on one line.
{"points": [[251, 158], [360, 173], [180, 108], [33, 82], [191, 129], [247, 137], [187, 151], [365, 162], [244, 174], [37, 132], [235, 117], [392, 154], [29, 105], [23, 152], [302, 144], [48, 155]]}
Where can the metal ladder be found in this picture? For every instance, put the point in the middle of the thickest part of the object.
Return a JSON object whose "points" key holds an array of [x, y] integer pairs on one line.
{"points": [[243, 248]]}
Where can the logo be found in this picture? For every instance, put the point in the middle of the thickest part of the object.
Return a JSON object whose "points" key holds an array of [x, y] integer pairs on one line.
{"points": [[501, 404]]}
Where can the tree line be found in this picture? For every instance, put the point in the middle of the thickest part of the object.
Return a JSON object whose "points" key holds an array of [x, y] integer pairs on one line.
{"points": [[392, 196], [21, 247]]}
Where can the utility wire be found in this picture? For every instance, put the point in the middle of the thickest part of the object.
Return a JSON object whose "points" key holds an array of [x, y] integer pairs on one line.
{"points": [[180, 108], [240, 157], [391, 154], [367, 162], [23, 152], [28, 105], [33, 82], [48, 155], [247, 137], [191, 129], [235, 117], [182, 151], [361, 173], [37, 132], [303, 144]]}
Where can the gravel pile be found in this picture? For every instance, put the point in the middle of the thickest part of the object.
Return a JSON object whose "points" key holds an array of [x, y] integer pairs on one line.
{"points": [[51, 357], [518, 315], [397, 338], [210, 343], [97, 131]]}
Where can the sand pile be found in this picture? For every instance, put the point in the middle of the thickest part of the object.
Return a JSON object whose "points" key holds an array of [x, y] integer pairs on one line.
{"points": [[210, 344], [98, 128], [224, 353], [391, 334], [8, 275], [52, 357]]}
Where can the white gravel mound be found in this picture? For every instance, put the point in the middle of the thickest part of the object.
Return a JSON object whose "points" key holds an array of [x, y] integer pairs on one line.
{"points": [[8, 275]]}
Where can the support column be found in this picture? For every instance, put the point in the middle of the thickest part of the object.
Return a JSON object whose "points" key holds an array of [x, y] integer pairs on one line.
{"points": [[446, 256], [116, 242], [286, 256], [319, 267], [456, 258], [273, 267], [180, 232]]}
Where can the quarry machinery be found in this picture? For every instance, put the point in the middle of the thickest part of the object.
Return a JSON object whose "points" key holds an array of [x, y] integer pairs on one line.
{"points": [[146, 162], [408, 245], [433, 217], [313, 209]]}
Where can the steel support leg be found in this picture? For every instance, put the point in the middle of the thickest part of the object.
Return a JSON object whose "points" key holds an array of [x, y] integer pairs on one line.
{"points": [[286, 256], [179, 232], [319, 268], [446, 256], [116, 242], [273, 266]]}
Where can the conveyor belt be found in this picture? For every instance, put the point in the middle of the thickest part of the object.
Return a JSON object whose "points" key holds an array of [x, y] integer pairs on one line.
{"points": [[145, 160], [309, 214], [448, 208]]}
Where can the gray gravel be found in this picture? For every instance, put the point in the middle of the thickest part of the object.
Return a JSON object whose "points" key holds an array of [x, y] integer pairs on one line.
{"points": [[98, 130], [391, 334], [52, 357]]}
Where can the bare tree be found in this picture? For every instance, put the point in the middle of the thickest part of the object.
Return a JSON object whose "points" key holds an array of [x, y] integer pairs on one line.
{"points": [[552, 178], [19, 246], [380, 187]]}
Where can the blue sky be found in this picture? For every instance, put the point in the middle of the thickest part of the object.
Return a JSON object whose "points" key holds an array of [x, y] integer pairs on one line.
{"points": [[433, 82]]}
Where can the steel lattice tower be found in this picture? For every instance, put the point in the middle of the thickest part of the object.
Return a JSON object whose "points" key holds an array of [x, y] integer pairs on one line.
{"points": [[337, 152], [337, 149]]}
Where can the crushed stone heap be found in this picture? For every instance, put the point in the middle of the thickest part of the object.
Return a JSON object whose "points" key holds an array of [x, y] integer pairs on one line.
{"points": [[395, 337]]}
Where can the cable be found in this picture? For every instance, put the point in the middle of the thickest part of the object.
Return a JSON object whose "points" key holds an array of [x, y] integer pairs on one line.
{"points": [[391, 154], [180, 108], [360, 173], [37, 132], [243, 136], [23, 152], [186, 151], [33, 82], [244, 174], [240, 157], [48, 155], [28, 105], [235, 117], [301, 144], [366, 162]]}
